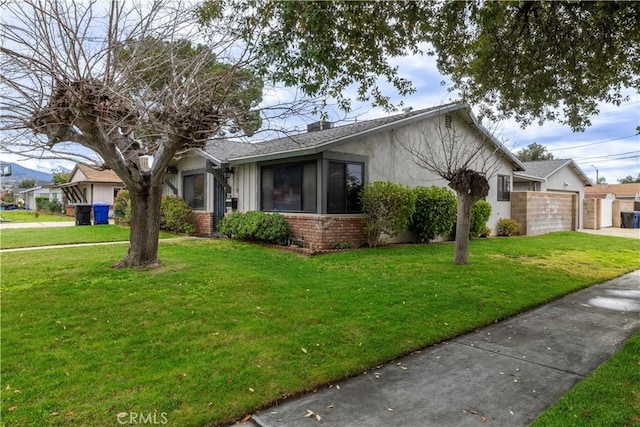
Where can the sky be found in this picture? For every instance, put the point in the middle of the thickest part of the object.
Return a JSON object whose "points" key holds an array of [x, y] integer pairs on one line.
{"points": [[609, 148]]}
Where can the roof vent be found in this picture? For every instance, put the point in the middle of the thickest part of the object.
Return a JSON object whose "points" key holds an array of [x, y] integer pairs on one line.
{"points": [[321, 125]]}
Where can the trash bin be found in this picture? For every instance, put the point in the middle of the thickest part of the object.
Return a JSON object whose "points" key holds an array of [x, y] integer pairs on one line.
{"points": [[100, 213], [83, 214], [629, 219]]}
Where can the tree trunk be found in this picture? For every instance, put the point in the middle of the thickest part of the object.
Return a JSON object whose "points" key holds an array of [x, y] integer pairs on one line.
{"points": [[463, 225], [145, 227]]}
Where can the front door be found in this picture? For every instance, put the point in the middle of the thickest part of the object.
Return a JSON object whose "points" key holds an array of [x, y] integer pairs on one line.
{"points": [[219, 197]]}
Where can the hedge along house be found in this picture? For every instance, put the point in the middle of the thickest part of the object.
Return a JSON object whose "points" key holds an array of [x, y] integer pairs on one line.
{"points": [[549, 196], [314, 178]]}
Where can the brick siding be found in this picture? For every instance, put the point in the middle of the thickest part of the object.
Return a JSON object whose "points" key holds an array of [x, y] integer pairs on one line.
{"points": [[203, 223], [320, 232]]}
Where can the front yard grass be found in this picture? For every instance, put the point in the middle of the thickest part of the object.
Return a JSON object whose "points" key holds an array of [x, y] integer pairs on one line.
{"points": [[30, 216], [12, 238], [610, 396], [223, 328]]}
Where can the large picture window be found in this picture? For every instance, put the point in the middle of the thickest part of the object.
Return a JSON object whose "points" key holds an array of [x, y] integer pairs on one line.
{"points": [[289, 188], [504, 188], [344, 184], [193, 189]]}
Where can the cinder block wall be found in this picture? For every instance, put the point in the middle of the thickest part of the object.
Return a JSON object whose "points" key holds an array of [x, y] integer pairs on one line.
{"points": [[544, 212], [203, 223], [324, 231], [592, 209]]}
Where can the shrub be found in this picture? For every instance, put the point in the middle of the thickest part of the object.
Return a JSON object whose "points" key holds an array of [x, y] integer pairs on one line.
{"points": [[176, 215], [389, 207], [435, 212], [508, 227], [122, 208], [480, 214], [46, 205], [255, 226]]}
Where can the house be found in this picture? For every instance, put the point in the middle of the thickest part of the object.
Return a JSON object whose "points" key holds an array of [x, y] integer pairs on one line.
{"points": [[87, 186], [609, 200], [548, 196], [312, 178], [29, 196]]}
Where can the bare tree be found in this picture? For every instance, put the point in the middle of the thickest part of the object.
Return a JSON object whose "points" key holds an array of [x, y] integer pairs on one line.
{"points": [[465, 157], [106, 84]]}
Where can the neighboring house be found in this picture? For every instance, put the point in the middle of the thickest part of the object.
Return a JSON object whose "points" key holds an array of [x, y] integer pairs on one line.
{"points": [[87, 186], [29, 196], [548, 196], [313, 178], [612, 199]]}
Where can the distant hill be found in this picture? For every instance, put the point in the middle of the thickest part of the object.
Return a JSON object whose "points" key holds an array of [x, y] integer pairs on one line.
{"points": [[19, 173]]}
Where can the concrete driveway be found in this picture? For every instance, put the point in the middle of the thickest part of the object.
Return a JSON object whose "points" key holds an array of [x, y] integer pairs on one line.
{"points": [[633, 233]]}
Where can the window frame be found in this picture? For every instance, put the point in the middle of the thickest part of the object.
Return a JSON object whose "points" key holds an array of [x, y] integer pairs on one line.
{"points": [[345, 164], [504, 188], [302, 162], [192, 174]]}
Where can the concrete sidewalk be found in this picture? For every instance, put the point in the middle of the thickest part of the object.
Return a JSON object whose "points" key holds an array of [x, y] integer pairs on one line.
{"points": [[502, 375]]}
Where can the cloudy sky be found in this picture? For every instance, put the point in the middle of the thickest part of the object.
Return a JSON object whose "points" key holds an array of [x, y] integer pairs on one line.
{"points": [[610, 145]]}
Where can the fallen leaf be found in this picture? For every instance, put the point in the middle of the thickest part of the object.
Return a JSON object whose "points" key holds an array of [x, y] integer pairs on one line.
{"points": [[68, 413], [318, 417], [53, 414], [511, 412], [309, 413], [391, 410], [483, 420], [17, 391], [330, 406], [251, 390], [304, 350], [246, 418], [13, 408], [338, 387]]}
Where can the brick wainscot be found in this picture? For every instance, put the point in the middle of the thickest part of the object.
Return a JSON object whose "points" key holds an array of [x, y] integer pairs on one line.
{"points": [[319, 232]]}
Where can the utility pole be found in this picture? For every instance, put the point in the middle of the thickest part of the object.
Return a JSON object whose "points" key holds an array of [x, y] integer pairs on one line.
{"points": [[597, 180]]}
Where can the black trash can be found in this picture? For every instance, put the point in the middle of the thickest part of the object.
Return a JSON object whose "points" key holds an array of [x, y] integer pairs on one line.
{"points": [[627, 219], [83, 214]]}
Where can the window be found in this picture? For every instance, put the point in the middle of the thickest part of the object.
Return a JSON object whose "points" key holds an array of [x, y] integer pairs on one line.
{"points": [[344, 184], [193, 189], [504, 188], [289, 188]]}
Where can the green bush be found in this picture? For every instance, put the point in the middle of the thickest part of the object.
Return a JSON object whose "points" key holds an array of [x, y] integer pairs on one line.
{"points": [[435, 212], [122, 208], [255, 226], [44, 204], [389, 207], [508, 227], [480, 214], [176, 215]]}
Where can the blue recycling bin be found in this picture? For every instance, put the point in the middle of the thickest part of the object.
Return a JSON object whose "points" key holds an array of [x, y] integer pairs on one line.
{"points": [[100, 213]]}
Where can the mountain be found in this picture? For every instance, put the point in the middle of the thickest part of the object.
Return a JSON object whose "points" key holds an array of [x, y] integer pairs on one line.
{"points": [[19, 173]]}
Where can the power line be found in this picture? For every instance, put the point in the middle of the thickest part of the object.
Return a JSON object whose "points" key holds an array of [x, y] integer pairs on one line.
{"points": [[635, 152], [594, 143]]}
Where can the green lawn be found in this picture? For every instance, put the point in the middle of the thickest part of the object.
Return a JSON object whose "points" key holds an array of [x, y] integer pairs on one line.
{"points": [[29, 237], [30, 216], [224, 328], [608, 397]]}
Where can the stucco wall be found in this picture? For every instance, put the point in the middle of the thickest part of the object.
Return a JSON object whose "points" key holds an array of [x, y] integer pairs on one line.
{"points": [[389, 160], [544, 212]]}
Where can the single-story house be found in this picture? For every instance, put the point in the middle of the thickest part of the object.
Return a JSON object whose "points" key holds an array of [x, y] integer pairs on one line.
{"points": [[29, 196], [312, 178], [609, 200], [87, 186], [549, 195]]}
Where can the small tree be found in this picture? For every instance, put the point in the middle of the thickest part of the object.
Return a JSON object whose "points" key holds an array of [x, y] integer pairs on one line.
{"points": [[534, 152], [466, 157], [27, 183], [435, 212], [60, 176], [389, 207]]}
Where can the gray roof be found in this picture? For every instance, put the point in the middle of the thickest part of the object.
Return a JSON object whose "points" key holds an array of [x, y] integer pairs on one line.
{"points": [[313, 142], [541, 170]]}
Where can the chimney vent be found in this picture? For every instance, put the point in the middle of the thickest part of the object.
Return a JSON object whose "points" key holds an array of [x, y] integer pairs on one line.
{"points": [[317, 126]]}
